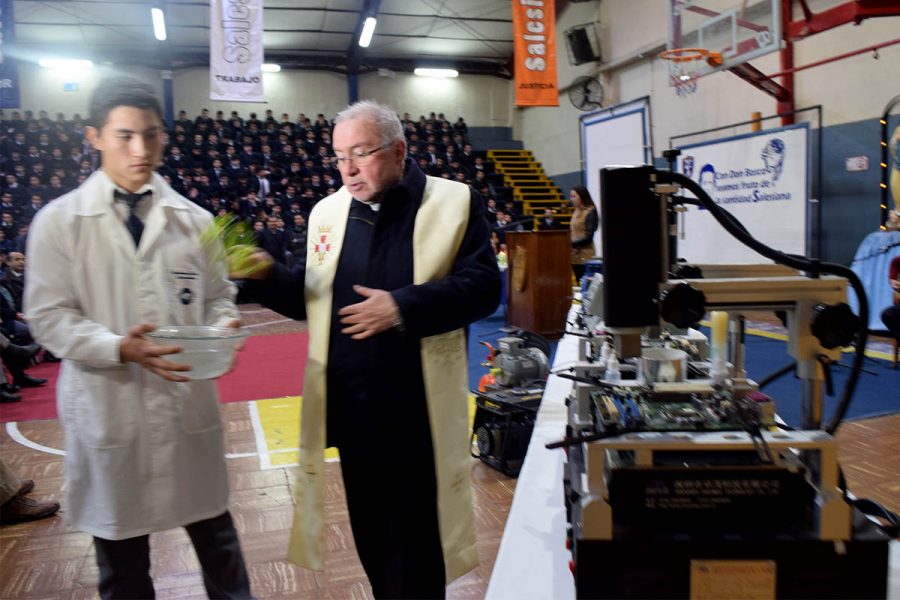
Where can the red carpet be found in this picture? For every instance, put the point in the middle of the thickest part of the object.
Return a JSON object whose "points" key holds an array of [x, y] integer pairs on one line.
{"points": [[269, 366]]}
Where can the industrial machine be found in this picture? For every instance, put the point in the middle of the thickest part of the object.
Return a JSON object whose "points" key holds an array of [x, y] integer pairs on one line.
{"points": [[679, 479], [505, 409]]}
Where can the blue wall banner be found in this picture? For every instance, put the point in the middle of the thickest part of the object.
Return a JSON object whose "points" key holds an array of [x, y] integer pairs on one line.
{"points": [[236, 50], [763, 180], [9, 69]]}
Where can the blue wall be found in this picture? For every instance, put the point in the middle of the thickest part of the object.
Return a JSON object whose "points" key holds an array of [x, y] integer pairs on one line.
{"points": [[851, 202], [493, 138], [566, 181]]}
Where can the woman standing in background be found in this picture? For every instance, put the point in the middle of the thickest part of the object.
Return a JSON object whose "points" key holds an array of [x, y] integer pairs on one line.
{"points": [[583, 225]]}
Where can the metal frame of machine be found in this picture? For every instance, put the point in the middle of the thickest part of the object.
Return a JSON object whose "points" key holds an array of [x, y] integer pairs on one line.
{"points": [[696, 463]]}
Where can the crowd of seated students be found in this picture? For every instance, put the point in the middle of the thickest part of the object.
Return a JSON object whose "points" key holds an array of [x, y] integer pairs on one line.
{"points": [[267, 170]]}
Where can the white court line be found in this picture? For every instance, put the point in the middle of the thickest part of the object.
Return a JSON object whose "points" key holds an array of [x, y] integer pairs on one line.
{"points": [[263, 452], [12, 428], [262, 447]]}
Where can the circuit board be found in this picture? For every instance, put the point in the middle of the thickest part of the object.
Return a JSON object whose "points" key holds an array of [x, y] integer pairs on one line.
{"points": [[671, 412]]}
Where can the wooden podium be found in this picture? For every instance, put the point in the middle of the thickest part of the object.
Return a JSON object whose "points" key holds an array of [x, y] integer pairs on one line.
{"points": [[539, 283]]}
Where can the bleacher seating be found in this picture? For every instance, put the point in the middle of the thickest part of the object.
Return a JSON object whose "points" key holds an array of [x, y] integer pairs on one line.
{"points": [[528, 185]]}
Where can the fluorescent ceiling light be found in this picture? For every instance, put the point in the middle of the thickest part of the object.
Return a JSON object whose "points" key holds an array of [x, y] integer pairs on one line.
{"points": [[368, 30], [159, 23], [270, 68], [65, 63], [424, 72]]}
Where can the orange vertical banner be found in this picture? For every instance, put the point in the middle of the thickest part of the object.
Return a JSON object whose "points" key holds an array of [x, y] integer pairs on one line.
{"points": [[534, 35]]}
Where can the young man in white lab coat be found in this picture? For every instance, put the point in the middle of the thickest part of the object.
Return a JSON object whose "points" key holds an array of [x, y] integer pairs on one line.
{"points": [[144, 445]]}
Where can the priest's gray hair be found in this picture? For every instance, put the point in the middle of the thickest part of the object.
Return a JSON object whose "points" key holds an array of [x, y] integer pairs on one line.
{"points": [[386, 120]]}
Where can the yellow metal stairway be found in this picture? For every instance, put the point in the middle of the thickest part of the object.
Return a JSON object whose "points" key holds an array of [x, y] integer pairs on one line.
{"points": [[530, 185]]}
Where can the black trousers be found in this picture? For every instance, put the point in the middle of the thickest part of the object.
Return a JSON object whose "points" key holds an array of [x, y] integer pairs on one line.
{"points": [[578, 271], [891, 319], [125, 564], [393, 515]]}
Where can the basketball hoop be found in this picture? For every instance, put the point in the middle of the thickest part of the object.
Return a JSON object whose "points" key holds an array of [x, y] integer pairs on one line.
{"points": [[683, 68]]}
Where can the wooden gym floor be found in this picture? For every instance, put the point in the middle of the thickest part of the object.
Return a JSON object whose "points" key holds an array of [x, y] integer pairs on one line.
{"points": [[47, 559]]}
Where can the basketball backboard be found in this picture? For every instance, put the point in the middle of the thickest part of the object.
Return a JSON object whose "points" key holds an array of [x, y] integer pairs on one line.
{"points": [[738, 30]]}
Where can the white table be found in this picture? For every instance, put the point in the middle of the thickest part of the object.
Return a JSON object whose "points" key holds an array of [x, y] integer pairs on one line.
{"points": [[532, 561]]}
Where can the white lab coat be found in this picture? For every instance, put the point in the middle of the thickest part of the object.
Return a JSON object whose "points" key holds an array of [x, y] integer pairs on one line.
{"points": [[142, 454]]}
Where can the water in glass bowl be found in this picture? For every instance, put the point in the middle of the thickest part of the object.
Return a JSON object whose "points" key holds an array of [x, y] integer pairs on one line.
{"points": [[208, 350]]}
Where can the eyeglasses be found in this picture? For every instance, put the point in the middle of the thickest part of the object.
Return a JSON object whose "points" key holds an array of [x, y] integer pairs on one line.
{"points": [[359, 157]]}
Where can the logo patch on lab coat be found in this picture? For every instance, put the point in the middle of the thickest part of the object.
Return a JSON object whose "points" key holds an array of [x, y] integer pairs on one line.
{"points": [[183, 279]]}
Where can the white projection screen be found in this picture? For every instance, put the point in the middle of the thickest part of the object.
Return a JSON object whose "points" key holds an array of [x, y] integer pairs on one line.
{"points": [[615, 136]]}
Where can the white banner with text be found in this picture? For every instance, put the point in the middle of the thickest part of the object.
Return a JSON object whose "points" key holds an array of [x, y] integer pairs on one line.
{"points": [[763, 180], [236, 50]]}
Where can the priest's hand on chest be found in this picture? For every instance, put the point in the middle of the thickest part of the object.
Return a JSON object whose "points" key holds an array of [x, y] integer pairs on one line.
{"points": [[378, 312]]}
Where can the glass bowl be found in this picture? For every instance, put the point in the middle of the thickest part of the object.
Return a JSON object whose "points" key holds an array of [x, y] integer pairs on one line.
{"points": [[208, 350]]}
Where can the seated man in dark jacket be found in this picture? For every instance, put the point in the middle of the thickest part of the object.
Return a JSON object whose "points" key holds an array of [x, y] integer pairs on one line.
{"points": [[272, 239], [14, 278], [548, 221], [22, 348]]}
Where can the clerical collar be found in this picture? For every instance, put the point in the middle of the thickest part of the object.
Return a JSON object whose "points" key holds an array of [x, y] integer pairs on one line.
{"points": [[372, 206]]}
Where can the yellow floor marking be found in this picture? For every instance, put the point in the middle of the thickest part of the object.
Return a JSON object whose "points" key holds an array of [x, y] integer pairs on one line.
{"points": [[280, 420]]}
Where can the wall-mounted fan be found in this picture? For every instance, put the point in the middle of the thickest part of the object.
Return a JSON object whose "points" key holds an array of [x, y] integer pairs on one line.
{"points": [[586, 93]]}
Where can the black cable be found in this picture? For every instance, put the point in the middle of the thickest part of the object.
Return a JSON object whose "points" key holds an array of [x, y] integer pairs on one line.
{"points": [[889, 521], [563, 369], [577, 378], [760, 444], [534, 340], [577, 334], [891, 525], [727, 215], [812, 266], [777, 374], [593, 437], [842, 484]]}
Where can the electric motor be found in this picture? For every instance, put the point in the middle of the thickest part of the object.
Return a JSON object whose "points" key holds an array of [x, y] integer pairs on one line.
{"points": [[519, 365]]}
